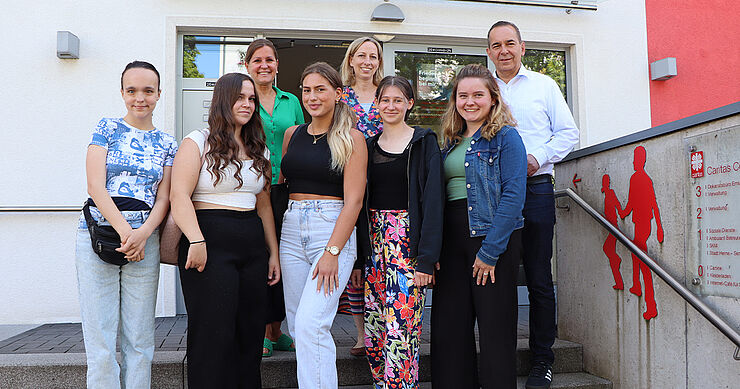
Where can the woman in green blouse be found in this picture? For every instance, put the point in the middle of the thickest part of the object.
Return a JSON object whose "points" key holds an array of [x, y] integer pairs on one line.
{"points": [[278, 110]]}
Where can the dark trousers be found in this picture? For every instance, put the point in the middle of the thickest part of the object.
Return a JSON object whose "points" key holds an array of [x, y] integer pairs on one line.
{"points": [[226, 302], [275, 298], [458, 302], [539, 221]]}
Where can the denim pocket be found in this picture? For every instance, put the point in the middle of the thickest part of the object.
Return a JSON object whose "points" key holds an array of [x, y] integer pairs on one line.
{"points": [[487, 157], [329, 215]]}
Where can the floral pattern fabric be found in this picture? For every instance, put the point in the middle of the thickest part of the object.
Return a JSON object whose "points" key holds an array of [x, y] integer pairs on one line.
{"points": [[369, 123], [393, 304]]}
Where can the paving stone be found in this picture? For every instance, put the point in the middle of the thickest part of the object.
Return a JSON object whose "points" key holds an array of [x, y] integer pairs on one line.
{"points": [[171, 334]]}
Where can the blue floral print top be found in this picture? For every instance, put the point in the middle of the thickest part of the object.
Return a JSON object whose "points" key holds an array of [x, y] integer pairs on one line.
{"points": [[369, 123], [136, 158]]}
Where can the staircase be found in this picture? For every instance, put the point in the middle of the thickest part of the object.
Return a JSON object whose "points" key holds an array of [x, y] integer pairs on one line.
{"points": [[278, 371], [52, 356]]}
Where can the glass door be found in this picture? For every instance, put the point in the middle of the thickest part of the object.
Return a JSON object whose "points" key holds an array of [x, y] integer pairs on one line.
{"points": [[431, 70]]}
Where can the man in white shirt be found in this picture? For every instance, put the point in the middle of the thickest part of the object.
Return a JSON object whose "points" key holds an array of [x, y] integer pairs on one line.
{"points": [[548, 130]]}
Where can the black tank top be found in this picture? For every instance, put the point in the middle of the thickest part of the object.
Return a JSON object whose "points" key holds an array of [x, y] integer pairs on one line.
{"points": [[387, 179], [307, 165]]}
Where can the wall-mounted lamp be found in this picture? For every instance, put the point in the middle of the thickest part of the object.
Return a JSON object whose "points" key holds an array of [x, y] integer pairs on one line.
{"points": [[663, 69], [68, 45], [387, 12], [384, 37]]}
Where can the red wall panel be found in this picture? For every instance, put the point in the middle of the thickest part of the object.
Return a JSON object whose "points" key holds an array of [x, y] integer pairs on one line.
{"points": [[704, 37]]}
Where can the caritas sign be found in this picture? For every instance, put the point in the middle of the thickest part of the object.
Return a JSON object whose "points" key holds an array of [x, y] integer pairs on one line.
{"points": [[697, 164]]}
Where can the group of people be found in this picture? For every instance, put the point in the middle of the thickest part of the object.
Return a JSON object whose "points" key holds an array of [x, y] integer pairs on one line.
{"points": [[376, 208]]}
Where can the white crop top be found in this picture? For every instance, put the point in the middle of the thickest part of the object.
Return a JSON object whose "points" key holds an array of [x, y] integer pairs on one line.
{"points": [[225, 193]]}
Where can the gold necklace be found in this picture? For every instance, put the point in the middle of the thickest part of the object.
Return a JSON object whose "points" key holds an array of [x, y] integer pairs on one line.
{"points": [[315, 138]]}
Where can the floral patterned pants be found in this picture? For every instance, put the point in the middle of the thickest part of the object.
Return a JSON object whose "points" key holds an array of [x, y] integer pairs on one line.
{"points": [[393, 304]]}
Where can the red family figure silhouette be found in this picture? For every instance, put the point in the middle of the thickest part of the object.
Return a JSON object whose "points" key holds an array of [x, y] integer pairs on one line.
{"points": [[611, 207], [643, 205]]}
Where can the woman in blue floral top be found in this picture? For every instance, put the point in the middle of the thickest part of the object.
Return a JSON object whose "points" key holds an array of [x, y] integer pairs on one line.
{"points": [[362, 70]]}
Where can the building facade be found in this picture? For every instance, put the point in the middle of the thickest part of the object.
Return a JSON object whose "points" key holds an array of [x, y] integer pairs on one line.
{"points": [[51, 105]]}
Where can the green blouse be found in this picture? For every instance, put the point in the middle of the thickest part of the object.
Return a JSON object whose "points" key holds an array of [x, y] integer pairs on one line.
{"points": [[454, 168], [286, 112]]}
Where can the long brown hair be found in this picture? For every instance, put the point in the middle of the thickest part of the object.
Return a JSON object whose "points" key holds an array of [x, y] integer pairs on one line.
{"points": [[223, 149], [453, 124], [342, 121]]}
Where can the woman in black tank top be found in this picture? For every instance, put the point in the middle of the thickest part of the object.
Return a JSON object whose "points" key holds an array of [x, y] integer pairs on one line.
{"points": [[325, 165]]}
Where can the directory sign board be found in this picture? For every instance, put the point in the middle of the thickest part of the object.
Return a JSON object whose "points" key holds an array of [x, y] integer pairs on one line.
{"points": [[713, 218]]}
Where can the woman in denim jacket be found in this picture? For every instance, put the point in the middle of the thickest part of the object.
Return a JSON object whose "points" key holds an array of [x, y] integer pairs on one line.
{"points": [[485, 168]]}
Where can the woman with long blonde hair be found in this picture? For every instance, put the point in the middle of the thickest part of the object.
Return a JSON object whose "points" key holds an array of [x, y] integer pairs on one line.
{"points": [[361, 70], [324, 163], [485, 168]]}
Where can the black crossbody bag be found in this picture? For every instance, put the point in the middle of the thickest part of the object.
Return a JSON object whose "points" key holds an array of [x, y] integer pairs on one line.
{"points": [[105, 240]]}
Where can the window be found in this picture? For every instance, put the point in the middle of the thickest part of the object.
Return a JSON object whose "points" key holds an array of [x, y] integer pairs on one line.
{"points": [[549, 62], [213, 56]]}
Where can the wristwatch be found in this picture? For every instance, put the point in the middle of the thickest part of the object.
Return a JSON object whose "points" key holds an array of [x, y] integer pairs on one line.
{"points": [[333, 250]]}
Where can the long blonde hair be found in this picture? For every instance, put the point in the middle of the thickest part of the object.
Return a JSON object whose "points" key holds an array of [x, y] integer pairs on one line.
{"points": [[500, 115], [348, 74], [343, 118]]}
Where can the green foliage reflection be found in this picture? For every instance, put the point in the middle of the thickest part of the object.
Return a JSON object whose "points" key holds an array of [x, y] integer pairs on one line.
{"points": [[549, 62], [189, 53]]}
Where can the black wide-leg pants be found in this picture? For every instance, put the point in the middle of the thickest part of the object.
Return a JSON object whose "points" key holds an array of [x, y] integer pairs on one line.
{"points": [[458, 302], [226, 303]]}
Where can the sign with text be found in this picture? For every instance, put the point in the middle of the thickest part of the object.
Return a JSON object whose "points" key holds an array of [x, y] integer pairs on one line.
{"points": [[713, 193]]}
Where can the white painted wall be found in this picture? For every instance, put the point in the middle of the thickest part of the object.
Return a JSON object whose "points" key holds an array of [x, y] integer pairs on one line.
{"points": [[49, 106]]}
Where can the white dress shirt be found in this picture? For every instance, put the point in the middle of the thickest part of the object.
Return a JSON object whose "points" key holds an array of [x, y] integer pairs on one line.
{"points": [[544, 120]]}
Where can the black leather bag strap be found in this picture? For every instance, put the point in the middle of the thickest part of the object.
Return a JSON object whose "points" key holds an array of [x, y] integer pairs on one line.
{"points": [[88, 217]]}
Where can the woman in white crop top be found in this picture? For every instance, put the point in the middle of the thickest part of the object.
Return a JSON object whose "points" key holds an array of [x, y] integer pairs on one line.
{"points": [[229, 252]]}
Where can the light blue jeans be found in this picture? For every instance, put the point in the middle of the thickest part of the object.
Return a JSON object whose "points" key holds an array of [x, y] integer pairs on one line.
{"points": [[114, 299], [307, 227]]}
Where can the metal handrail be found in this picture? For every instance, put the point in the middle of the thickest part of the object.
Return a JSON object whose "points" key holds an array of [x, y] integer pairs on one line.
{"points": [[41, 208], [691, 298]]}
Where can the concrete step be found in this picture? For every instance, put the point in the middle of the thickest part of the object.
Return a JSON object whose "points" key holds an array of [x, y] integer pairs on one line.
{"points": [[67, 370], [559, 381], [278, 371]]}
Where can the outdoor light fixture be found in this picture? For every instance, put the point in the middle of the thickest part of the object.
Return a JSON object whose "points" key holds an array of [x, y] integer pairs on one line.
{"points": [[387, 12], [384, 37], [68, 45], [663, 69]]}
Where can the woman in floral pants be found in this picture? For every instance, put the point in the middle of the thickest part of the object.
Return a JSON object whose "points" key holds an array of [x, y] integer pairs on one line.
{"points": [[404, 209]]}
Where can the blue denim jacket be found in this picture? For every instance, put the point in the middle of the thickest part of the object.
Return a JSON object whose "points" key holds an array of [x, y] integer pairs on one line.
{"points": [[496, 177]]}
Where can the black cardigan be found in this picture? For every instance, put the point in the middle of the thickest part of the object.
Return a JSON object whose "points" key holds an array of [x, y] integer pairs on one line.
{"points": [[426, 194]]}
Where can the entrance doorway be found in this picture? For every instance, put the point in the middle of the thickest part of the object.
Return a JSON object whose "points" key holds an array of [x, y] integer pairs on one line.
{"points": [[295, 54], [430, 68], [431, 71]]}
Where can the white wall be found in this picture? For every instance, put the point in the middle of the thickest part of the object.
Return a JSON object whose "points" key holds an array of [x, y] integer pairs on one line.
{"points": [[49, 105]]}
